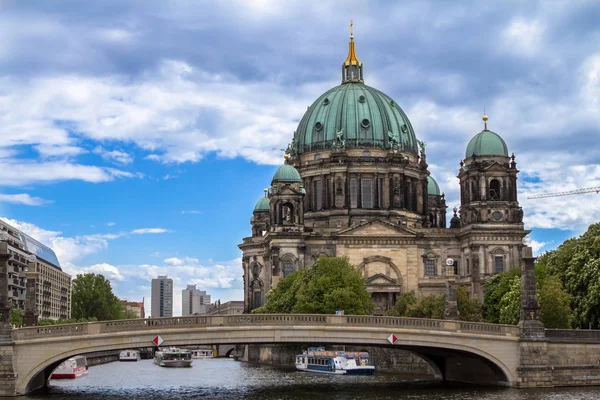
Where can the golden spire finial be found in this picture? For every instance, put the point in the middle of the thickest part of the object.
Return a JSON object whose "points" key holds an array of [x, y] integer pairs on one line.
{"points": [[351, 34], [352, 59], [266, 191], [286, 155], [484, 118]]}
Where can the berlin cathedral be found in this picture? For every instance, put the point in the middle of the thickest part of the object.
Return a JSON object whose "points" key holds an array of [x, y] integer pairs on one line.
{"points": [[356, 184]]}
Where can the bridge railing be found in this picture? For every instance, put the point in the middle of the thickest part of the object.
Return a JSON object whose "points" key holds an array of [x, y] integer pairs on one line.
{"points": [[573, 335], [151, 324]]}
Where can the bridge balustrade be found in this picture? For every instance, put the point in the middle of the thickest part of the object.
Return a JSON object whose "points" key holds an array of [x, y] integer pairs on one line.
{"points": [[151, 324]]}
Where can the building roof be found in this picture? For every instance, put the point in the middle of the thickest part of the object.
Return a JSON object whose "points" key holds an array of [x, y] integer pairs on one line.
{"points": [[487, 143], [432, 186], [358, 115], [32, 246], [286, 173], [263, 204]]}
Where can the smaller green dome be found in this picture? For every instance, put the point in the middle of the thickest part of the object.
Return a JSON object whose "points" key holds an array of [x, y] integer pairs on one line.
{"points": [[286, 173], [432, 186], [487, 143], [262, 205]]}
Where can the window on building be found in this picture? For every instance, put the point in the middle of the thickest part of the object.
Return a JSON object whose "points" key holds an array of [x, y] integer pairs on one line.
{"points": [[318, 194], [288, 268], [494, 192], [353, 193], [498, 264], [366, 154], [317, 156], [366, 193], [455, 265], [430, 267]]}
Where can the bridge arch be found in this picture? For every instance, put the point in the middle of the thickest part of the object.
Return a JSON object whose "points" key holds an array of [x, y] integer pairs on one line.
{"points": [[455, 347]]}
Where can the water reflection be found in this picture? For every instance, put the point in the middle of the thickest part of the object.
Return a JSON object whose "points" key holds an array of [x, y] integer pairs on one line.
{"points": [[228, 379]]}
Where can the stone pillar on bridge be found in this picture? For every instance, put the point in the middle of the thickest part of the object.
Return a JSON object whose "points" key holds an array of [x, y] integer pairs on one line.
{"points": [[451, 308], [529, 321], [7, 365], [31, 314], [533, 370]]}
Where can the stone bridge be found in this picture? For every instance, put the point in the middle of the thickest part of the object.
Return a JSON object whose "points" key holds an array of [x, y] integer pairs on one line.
{"points": [[457, 351]]}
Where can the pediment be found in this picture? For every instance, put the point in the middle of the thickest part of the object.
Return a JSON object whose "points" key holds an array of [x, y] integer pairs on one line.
{"points": [[380, 279], [495, 166], [377, 228]]}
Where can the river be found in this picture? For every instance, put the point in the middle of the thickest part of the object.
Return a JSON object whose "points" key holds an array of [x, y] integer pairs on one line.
{"points": [[229, 379]]}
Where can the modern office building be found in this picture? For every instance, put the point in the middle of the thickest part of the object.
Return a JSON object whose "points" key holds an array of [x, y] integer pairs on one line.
{"points": [[30, 257], [194, 301], [162, 297]]}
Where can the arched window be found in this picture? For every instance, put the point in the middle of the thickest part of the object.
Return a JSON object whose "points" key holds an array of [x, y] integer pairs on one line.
{"points": [[288, 268], [494, 191]]}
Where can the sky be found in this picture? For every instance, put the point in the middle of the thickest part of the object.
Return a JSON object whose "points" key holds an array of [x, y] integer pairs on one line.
{"points": [[136, 136]]}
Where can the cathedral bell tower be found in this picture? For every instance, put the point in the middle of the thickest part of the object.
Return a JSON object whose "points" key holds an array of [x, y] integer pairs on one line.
{"points": [[286, 200], [488, 182]]}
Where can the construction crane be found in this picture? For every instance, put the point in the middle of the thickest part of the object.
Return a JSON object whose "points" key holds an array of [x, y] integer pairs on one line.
{"points": [[570, 192]]}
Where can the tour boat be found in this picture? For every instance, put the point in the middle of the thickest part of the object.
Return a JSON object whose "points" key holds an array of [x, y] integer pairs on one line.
{"points": [[130, 355], [202, 353], [173, 357], [320, 361], [72, 368]]}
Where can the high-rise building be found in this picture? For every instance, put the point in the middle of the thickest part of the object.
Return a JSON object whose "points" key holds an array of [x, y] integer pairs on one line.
{"points": [[194, 301], [162, 297], [32, 258]]}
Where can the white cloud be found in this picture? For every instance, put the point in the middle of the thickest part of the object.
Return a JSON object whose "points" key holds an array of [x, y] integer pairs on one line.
{"points": [[116, 156], [535, 245], [145, 231], [524, 37], [190, 212], [110, 272], [23, 198], [111, 223]]}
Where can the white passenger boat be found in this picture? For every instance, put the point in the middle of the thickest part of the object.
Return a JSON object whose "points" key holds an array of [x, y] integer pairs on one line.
{"points": [[173, 357], [321, 361], [202, 353], [72, 368], [129, 355]]}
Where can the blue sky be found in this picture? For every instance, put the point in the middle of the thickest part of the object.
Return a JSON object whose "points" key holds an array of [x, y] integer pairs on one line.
{"points": [[136, 136]]}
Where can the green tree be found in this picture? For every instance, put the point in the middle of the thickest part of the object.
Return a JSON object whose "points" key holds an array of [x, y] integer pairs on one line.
{"points": [[403, 303], [16, 316], [510, 303], [576, 263], [428, 307], [495, 288], [469, 309], [330, 284], [93, 297]]}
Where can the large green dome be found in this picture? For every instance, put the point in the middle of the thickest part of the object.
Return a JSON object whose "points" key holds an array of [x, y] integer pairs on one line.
{"points": [[487, 143], [286, 173], [365, 117], [432, 186], [262, 205]]}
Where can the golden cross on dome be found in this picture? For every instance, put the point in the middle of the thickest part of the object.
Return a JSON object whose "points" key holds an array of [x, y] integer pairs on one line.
{"points": [[351, 25]]}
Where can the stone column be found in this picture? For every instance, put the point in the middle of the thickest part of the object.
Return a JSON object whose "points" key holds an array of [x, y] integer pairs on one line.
{"points": [[534, 369], [451, 308], [31, 313], [529, 322]]}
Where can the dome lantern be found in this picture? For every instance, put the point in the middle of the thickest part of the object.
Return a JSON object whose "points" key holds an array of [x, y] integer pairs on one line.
{"points": [[352, 69]]}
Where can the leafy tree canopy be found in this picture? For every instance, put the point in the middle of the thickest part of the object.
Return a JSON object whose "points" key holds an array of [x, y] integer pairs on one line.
{"points": [[407, 305], [329, 285], [93, 297], [576, 264], [502, 303], [16, 316]]}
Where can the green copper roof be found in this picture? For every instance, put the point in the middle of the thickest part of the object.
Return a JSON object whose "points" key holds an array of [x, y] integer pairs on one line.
{"points": [[262, 205], [286, 173], [486, 143], [358, 114], [432, 186]]}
